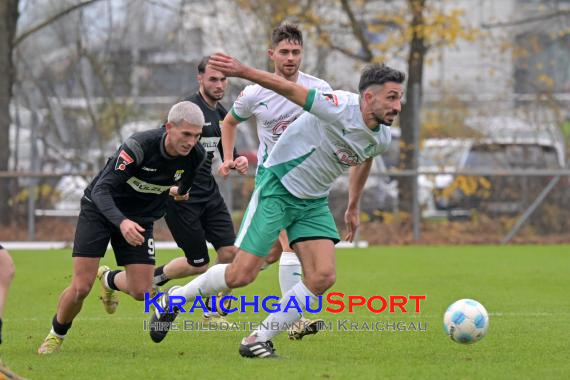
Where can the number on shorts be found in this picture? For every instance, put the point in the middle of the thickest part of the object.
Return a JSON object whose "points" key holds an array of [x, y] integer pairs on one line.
{"points": [[151, 247]]}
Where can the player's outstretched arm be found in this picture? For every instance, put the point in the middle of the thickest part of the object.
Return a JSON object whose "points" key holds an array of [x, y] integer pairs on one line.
{"points": [[231, 67], [357, 177]]}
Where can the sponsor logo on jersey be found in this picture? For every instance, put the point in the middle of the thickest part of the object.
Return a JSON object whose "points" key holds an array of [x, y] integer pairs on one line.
{"points": [[148, 169], [280, 127], [145, 187], [346, 156], [331, 98], [178, 175], [210, 143], [279, 124], [123, 160]]}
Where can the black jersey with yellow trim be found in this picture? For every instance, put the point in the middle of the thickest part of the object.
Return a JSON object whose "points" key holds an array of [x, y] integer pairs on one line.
{"points": [[204, 184], [135, 182]]}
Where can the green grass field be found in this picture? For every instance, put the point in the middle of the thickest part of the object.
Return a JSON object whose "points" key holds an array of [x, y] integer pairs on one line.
{"points": [[524, 288]]}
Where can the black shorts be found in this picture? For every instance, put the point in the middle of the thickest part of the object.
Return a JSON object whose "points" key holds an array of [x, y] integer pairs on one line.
{"points": [[191, 224], [94, 231]]}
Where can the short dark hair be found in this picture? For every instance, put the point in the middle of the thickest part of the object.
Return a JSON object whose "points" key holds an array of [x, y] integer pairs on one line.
{"points": [[289, 32], [379, 73], [202, 64]]}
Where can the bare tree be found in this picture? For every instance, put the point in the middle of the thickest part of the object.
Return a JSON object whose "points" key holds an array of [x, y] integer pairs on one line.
{"points": [[416, 58], [8, 41], [8, 23]]}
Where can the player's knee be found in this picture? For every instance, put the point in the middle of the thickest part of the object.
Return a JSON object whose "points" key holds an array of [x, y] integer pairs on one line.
{"points": [[81, 290], [226, 254], [320, 282], [273, 255], [199, 270], [237, 280], [191, 270]]}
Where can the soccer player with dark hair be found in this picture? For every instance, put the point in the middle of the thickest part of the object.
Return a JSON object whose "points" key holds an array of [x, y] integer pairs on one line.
{"points": [[341, 132], [273, 113]]}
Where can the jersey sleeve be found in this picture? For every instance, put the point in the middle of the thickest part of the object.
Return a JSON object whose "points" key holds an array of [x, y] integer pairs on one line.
{"points": [[324, 86], [242, 107], [123, 165], [328, 106], [197, 158]]}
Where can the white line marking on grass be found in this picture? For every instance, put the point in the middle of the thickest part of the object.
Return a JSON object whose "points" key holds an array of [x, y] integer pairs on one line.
{"points": [[35, 319]]}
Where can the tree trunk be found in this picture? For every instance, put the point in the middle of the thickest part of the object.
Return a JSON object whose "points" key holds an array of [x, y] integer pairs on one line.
{"points": [[411, 108], [8, 22]]}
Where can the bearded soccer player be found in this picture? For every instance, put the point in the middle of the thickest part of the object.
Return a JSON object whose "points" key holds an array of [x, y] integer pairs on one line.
{"points": [[341, 132], [272, 113]]}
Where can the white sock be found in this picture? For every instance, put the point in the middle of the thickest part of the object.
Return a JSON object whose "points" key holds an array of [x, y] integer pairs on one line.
{"points": [[207, 284], [266, 332], [290, 271], [52, 332], [106, 280]]}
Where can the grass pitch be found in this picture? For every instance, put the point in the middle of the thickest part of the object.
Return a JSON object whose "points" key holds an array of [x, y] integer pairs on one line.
{"points": [[524, 288]]}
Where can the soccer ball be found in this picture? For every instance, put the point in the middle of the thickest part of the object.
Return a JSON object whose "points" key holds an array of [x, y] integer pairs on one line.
{"points": [[466, 321]]}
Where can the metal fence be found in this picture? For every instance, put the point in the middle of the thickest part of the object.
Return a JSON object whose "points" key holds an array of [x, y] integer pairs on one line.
{"points": [[483, 206]]}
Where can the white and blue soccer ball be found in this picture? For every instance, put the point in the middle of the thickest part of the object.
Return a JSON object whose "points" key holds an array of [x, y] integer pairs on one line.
{"points": [[466, 321]]}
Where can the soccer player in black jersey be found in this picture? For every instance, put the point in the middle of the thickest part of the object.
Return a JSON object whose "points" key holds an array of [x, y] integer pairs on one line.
{"points": [[204, 216], [120, 206]]}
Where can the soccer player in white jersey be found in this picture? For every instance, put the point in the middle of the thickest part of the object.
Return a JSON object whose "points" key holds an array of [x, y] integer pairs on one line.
{"points": [[273, 113], [341, 132]]}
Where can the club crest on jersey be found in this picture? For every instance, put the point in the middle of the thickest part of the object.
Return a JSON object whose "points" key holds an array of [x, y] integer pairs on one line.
{"points": [[331, 98], [123, 160], [369, 150], [178, 175]]}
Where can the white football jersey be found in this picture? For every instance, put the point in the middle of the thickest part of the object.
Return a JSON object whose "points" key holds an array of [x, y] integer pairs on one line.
{"points": [[324, 143], [273, 112]]}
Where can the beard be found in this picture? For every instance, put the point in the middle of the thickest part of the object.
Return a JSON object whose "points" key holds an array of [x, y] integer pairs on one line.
{"points": [[382, 120], [289, 70], [213, 96]]}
